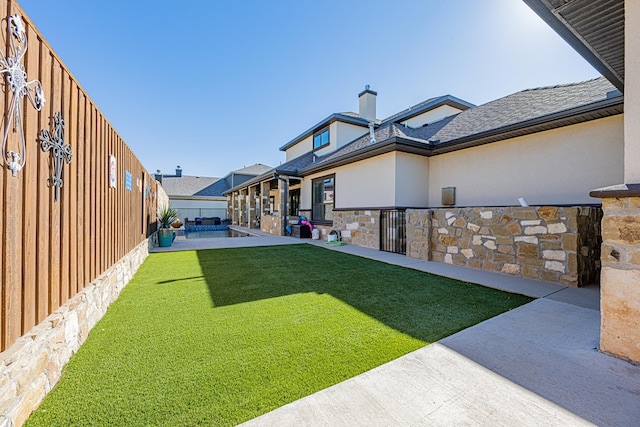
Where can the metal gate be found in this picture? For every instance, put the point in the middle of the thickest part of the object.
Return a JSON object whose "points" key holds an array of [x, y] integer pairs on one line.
{"points": [[393, 231]]}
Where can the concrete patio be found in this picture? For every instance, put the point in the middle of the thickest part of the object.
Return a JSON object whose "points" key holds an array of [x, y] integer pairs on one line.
{"points": [[535, 365]]}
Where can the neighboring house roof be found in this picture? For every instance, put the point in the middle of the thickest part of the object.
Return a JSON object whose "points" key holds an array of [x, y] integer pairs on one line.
{"points": [[202, 186], [524, 112], [216, 189], [594, 28], [186, 185], [256, 169]]}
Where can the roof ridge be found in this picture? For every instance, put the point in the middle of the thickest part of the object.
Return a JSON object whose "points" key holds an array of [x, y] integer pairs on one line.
{"points": [[561, 85]]}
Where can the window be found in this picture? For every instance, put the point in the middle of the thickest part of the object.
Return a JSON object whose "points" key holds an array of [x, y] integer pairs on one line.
{"points": [[322, 209], [321, 139]]}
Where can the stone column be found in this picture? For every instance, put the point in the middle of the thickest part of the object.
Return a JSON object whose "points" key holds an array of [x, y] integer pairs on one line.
{"points": [[620, 277], [234, 208], [282, 197], [264, 203], [251, 215]]}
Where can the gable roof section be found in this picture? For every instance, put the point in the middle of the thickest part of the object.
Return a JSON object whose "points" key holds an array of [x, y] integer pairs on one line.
{"points": [[427, 105], [347, 117], [594, 28], [522, 113]]}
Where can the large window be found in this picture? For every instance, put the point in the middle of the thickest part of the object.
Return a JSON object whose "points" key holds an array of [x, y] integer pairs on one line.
{"points": [[322, 199], [321, 139]]}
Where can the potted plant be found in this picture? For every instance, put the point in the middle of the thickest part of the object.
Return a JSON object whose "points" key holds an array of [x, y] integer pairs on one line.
{"points": [[166, 216]]}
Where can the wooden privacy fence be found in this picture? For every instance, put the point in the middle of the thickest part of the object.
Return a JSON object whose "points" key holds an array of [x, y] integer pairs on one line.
{"points": [[51, 249]]}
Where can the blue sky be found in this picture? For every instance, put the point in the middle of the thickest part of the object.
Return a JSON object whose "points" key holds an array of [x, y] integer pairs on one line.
{"points": [[213, 85]]}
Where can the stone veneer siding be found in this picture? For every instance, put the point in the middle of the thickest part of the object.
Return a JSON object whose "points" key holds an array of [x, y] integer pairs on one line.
{"points": [[361, 227], [33, 364], [620, 287], [555, 244], [271, 224]]}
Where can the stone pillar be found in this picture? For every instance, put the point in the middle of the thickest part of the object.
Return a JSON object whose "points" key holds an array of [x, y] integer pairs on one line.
{"points": [[620, 277], [264, 204], [234, 208], [282, 209], [251, 215]]}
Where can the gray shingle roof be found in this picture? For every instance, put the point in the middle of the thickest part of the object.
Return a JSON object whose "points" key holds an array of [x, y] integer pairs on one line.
{"points": [[522, 106], [256, 169], [216, 189], [510, 110], [186, 185]]}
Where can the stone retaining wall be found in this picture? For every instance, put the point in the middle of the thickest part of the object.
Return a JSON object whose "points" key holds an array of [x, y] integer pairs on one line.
{"points": [[556, 244], [33, 364]]}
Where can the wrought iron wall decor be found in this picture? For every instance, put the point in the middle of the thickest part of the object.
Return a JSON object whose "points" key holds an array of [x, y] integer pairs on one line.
{"points": [[60, 152], [13, 69]]}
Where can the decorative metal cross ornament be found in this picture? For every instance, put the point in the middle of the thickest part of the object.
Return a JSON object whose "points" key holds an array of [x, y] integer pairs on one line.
{"points": [[59, 150], [11, 66]]}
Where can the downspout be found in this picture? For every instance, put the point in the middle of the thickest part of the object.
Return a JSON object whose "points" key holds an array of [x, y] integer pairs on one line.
{"points": [[286, 198]]}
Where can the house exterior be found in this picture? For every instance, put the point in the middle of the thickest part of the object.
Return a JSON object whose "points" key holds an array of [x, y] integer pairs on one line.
{"points": [[352, 172], [202, 196]]}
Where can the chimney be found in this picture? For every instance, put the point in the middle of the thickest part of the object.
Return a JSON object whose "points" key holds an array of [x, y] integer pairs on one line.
{"points": [[178, 171], [158, 176], [367, 100]]}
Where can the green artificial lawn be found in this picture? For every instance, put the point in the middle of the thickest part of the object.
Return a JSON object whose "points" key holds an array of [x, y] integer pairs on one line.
{"points": [[218, 337]]}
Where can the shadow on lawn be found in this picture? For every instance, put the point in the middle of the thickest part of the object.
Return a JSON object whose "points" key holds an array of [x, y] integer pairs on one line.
{"points": [[422, 305]]}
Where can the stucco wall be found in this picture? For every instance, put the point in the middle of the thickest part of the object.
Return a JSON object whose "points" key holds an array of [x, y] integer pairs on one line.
{"points": [[632, 92], [558, 166], [412, 181], [361, 184], [300, 148]]}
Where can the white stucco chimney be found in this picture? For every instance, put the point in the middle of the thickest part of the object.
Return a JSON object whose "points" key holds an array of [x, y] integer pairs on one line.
{"points": [[367, 100]]}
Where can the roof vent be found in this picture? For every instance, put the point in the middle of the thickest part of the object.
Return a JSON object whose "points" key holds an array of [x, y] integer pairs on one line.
{"points": [[372, 135]]}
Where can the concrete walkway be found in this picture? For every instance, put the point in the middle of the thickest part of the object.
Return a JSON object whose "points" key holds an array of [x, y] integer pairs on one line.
{"points": [[535, 365]]}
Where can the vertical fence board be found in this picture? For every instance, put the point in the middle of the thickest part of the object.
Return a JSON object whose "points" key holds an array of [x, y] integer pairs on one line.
{"points": [[43, 201], [71, 184], [12, 224], [30, 219], [63, 198], [79, 159], [93, 205], [87, 183], [54, 241]]}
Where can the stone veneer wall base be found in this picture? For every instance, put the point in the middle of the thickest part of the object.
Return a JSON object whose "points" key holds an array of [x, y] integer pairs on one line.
{"points": [[554, 244], [33, 364]]}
